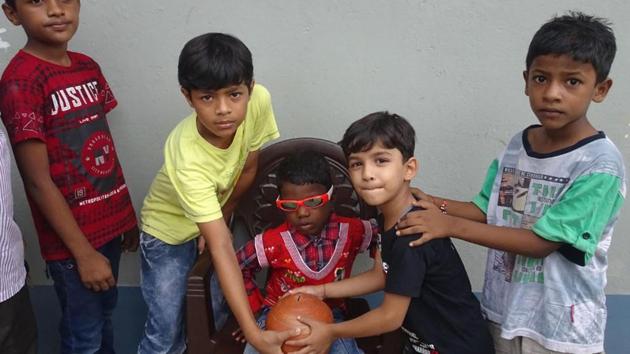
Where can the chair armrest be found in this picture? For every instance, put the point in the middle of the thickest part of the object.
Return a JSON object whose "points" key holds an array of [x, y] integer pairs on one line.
{"points": [[199, 319]]}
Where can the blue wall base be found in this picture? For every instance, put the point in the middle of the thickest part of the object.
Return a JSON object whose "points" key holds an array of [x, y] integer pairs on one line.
{"points": [[128, 319], [131, 312]]}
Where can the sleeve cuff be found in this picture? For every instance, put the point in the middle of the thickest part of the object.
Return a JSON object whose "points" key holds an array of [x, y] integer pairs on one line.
{"points": [[481, 203], [578, 251], [262, 141], [200, 219]]}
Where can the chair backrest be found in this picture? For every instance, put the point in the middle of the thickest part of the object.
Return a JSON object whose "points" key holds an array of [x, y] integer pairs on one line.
{"points": [[257, 209]]}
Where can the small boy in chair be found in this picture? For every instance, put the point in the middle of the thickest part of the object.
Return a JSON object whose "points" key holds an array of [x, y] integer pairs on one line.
{"points": [[313, 246]]}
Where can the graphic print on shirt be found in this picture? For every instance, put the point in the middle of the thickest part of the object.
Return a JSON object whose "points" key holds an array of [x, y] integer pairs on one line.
{"points": [[93, 153], [523, 198]]}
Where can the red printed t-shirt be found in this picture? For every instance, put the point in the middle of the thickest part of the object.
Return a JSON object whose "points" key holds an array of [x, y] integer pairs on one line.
{"points": [[65, 108]]}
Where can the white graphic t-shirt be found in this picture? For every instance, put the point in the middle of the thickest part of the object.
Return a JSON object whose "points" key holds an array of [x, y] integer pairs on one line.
{"points": [[571, 196]]}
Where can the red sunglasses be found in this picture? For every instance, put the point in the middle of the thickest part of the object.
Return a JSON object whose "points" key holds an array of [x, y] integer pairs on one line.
{"points": [[313, 202]]}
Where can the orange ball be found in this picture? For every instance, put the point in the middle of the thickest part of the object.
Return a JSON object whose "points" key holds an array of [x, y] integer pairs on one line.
{"points": [[283, 315]]}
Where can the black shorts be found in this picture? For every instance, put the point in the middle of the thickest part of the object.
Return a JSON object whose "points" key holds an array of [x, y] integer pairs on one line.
{"points": [[18, 330]]}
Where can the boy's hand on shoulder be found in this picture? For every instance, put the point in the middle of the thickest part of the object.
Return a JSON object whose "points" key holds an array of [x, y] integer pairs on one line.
{"points": [[95, 272], [318, 341], [431, 222], [130, 240], [315, 290], [420, 195]]}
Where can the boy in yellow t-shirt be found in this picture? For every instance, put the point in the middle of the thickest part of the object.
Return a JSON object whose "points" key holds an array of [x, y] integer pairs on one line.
{"points": [[210, 159]]}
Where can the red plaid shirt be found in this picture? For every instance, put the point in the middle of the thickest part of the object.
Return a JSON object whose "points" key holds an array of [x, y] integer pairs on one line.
{"points": [[316, 251]]}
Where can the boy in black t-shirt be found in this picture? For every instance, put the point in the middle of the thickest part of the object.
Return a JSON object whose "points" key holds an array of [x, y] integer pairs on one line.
{"points": [[427, 291]]}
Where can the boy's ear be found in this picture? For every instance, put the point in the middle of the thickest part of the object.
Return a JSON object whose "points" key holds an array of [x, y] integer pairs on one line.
{"points": [[251, 86], [11, 14], [601, 90], [525, 78], [186, 94], [411, 169]]}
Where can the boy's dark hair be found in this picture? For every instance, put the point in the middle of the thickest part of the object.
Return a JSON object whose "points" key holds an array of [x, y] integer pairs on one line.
{"points": [[304, 167], [10, 3], [214, 61], [391, 130], [585, 38]]}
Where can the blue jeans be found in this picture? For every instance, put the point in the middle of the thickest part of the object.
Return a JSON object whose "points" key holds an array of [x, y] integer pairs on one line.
{"points": [[339, 346], [86, 315], [163, 279]]}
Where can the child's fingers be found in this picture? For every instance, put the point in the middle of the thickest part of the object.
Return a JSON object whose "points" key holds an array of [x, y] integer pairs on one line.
{"points": [[297, 342], [307, 320], [91, 286], [284, 335], [425, 204], [132, 245], [201, 244], [304, 350], [105, 285], [418, 194], [422, 240], [111, 281], [238, 336], [294, 291], [410, 230]]}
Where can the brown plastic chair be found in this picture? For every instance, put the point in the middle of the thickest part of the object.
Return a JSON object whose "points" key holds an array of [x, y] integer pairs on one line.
{"points": [[257, 212]]}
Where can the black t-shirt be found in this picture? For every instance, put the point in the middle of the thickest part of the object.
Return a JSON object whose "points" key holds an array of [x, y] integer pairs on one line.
{"points": [[444, 315]]}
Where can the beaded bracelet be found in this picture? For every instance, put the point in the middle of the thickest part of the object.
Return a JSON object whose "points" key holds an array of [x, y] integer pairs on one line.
{"points": [[443, 206]]}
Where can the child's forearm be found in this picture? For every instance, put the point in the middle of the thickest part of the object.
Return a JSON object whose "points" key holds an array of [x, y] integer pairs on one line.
{"points": [[520, 241], [466, 210], [231, 281], [53, 206], [32, 161], [385, 318], [365, 283], [458, 208]]}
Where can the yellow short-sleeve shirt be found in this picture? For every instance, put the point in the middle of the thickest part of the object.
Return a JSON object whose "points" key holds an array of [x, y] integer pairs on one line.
{"points": [[197, 178]]}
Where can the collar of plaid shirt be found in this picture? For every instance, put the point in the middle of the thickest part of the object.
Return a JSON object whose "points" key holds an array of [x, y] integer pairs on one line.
{"points": [[330, 233]]}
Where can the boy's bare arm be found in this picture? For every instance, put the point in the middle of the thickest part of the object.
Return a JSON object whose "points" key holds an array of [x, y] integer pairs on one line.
{"points": [[218, 237], [365, 283], [385, 318], [32, 161], [432, 224], [466, 210]]}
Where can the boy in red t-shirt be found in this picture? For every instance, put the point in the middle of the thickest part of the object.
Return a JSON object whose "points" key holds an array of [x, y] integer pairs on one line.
{"points": [[53, 104], [313, 246]]}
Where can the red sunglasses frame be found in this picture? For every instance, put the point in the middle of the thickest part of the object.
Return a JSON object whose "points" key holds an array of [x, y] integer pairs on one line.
{"points": [[300, 203]]}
